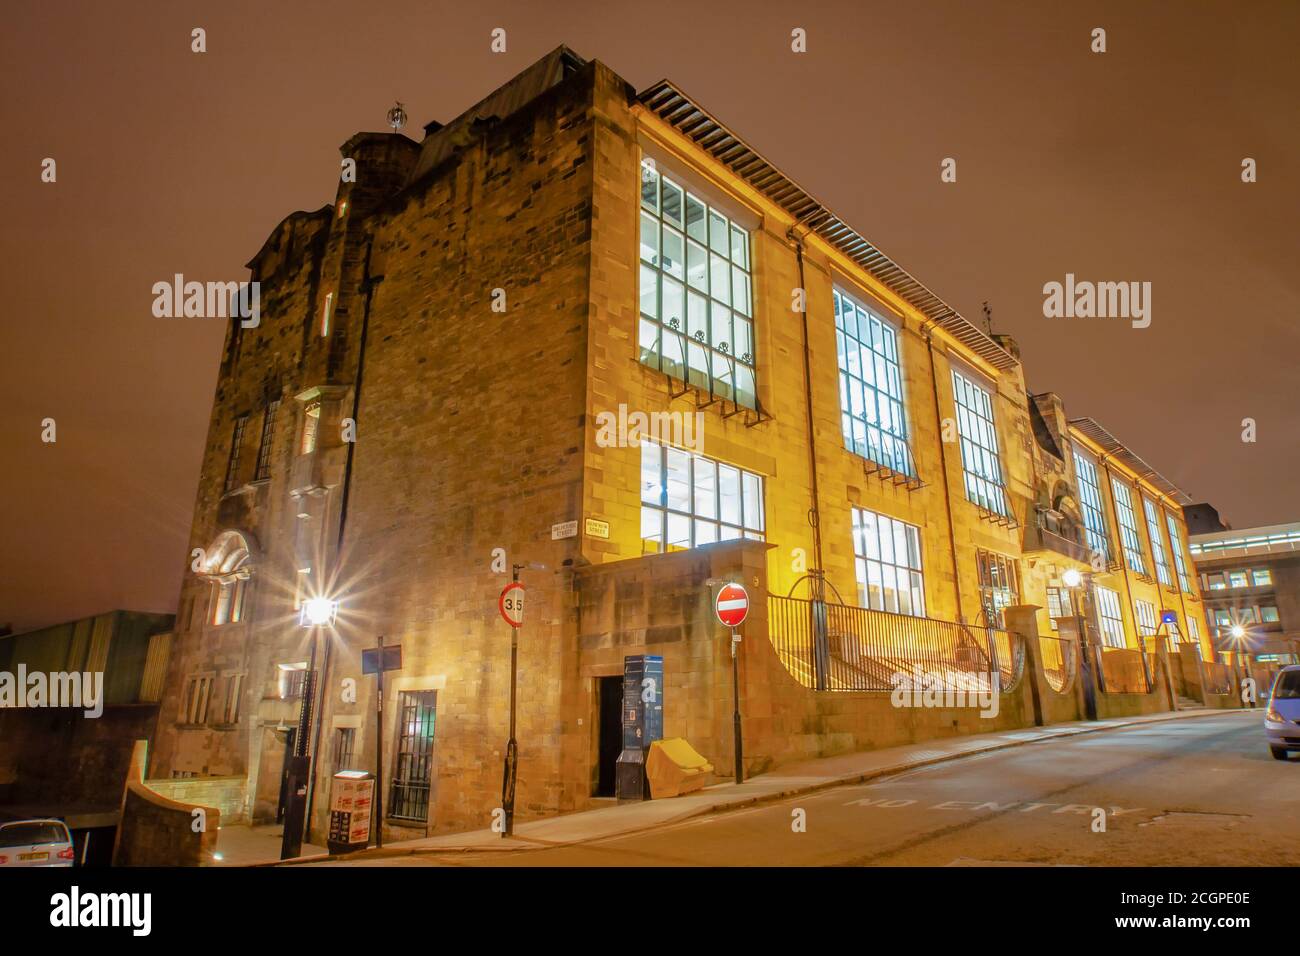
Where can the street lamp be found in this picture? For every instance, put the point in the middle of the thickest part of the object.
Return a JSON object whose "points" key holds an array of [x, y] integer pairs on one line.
{"points": [[316, 612], [1074, 580]]}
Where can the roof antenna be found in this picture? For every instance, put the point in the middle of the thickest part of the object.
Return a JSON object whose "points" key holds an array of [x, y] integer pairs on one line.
{"points": [[397, 116], [988, 320]]}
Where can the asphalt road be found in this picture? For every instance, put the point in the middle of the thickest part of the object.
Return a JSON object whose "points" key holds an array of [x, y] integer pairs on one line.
{"points": [[1196, 792]]}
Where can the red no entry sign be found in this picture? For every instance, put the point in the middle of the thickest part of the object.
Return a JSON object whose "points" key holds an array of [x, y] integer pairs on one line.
{"points": [[511, 604], [732, 605]]}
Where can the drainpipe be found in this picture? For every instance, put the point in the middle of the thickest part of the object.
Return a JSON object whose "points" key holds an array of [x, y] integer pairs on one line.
{"points": [[943, 461], [821, 656]]}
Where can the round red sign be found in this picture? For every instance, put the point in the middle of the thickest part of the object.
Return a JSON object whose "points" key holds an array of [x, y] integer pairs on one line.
{"points": [[732, 605], [511, 604]]}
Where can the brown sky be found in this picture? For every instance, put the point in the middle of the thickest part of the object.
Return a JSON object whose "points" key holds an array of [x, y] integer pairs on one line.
{"points": [[1121, 166]]}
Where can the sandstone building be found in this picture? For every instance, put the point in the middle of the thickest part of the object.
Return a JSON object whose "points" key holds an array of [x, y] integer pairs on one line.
{"points": [[453, 366]]}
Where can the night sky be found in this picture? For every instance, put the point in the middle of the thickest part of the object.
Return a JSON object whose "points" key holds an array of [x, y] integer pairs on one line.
{"points": [[1123, 166]]}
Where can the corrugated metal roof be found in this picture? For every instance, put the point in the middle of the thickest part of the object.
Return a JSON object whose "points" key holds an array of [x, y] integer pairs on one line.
{"points": [[689, 118], [1122, 453]]}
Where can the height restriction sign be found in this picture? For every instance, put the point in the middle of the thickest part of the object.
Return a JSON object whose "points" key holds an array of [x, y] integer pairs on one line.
{"points": [[732, 605]]}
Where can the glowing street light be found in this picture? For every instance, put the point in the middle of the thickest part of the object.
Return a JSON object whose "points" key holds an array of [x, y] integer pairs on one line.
{"points": [[1072, 578], [1238, 631], [318, 612]]}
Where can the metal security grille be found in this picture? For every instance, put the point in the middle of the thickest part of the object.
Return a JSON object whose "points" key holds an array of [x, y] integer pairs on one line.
{"points": [[411, 772], [345, 739]]}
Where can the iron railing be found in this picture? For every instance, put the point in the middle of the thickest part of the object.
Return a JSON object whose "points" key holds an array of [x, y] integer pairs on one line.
{"points": [[831, 646]]}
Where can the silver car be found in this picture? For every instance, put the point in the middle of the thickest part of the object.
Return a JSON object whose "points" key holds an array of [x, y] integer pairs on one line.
{"points": [[1282, 719], [36, 843]]}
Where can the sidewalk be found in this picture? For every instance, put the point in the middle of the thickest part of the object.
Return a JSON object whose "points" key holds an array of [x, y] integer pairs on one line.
{"points": [[590, 825]]}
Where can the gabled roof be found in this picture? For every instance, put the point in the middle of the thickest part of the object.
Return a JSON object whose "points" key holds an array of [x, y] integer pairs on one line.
{"points": [[1116, 449], [690, 119]]}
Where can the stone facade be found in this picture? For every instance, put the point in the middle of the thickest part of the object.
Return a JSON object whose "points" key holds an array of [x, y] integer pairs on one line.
{"points": [[467, 311]]}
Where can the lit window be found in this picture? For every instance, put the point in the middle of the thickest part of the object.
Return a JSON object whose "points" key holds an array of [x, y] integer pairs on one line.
{"points": [[1110, 617], [1176, 543], [1094, 517], [1146, 615], [696, 292], [230, 601], [327, 314], [1216, 582], [887, 561], [409, 797], [1261, 577], [293, 680], [1236, 579], [997, 581], [268, 439], [1058, 605], [310, 424], [1269, 615], [979, 446], [1193, 629], [343, 209], [871, 386], [1222, 618], [1128, 532], [1157, 544], [236, 440], [688, 500]]}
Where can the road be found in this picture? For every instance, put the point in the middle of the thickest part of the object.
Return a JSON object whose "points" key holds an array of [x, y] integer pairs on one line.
{"points": [[1195, 792]]}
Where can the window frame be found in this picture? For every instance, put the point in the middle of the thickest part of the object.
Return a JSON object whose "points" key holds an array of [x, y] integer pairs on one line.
{"points": [[1111, 625], [863, 561], [1164, 573], [232, 463], [1180, 562], [886, 360], [986, 563], [412, 767], [263, 469], [980, 448], [1085, 473], [1129, 540], [696, 518], [723, 368]]}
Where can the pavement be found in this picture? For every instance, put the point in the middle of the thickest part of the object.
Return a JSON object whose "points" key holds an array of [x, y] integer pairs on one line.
{"points": [[809, 777], [251, 846]]}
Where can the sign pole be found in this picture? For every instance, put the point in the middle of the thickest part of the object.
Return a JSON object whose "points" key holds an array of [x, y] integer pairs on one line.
{"points": [[735, 714], [731, 607], [511, 606], [379, 751]]}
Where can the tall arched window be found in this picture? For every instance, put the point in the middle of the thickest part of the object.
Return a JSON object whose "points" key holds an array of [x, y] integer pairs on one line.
{"points": [[229, 567]]}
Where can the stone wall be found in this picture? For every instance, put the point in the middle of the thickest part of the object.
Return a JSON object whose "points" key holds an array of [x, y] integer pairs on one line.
{"points": [[157, 831]]}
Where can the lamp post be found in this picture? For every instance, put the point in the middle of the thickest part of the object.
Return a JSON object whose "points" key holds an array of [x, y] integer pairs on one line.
{"points": [[317, 612], [1074, 581]]}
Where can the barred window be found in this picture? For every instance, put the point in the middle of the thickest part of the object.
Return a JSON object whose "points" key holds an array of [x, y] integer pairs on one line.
{"points": [[1176, 543], [412, 771], [887, 561], [1110, 617], [696, 291], [234, 688], [236, 440], [197, 692], [997, 581], [1128, 532], [688, 500], [1146, 617], [871, 386], [1094, 515], [979, 446], [268, 439], [1157, 543], [345, 740]]}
